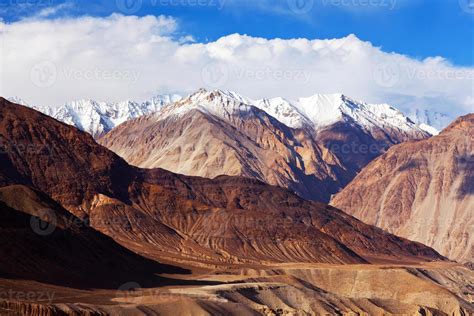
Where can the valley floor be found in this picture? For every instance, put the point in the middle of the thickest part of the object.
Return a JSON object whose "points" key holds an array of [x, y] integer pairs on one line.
{"points": [[438, 288]]}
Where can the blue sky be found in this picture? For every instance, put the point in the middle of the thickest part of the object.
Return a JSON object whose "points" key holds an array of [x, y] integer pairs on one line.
{"points": [[416, 28], [414, 54]]}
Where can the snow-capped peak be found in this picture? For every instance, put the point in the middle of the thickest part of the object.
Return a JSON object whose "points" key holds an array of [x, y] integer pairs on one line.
{"points": [[321, 109], [326, 109], [218, 95], [283, 111], [217, 102], [316, 112], [98, 118], [18, 100]]}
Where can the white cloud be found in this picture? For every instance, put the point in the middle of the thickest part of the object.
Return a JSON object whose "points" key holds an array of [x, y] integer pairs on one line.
{"points": [[53, 10], [126, 57]]}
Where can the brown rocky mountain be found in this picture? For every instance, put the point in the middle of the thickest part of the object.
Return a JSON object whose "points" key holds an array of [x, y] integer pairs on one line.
{"points": [[252, 248], [422, 190], [214, 133], [41, 241], [169, 215]]}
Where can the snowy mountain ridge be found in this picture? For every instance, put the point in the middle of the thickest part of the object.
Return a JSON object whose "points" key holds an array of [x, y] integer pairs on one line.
{"points": [[98, 118], [315, 112]]}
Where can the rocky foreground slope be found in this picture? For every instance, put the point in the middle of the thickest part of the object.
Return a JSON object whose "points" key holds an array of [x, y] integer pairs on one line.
{"points": [[437, 289], [422, 190], [41, 241], [313, 147]]}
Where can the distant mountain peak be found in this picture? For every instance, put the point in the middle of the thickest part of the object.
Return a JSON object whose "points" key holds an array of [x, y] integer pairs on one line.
{"points": [[18, 100], [315, 112], [436, 121], [98, 118]]}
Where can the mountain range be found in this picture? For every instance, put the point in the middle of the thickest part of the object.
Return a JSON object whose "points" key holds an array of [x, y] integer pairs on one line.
{"points": [[314, 147], [84, 220], [172, 212], [98, 118]]}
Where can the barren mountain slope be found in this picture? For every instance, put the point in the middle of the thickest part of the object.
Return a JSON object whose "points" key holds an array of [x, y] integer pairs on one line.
{"points": [[39, 240], [220, 133], [205, 145], [163, 215], [422, 190]]}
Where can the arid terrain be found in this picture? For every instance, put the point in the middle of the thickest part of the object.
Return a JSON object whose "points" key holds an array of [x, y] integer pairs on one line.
{"points": [[422, 190], [280, 289], [86, 233], [237, 158]]}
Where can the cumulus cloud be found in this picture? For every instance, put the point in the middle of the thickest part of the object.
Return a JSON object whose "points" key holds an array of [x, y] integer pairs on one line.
{"points": [[127, 57]]}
